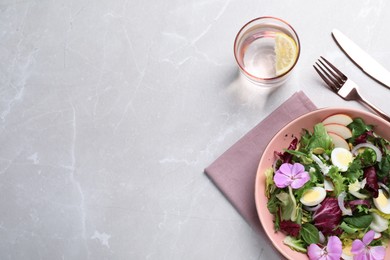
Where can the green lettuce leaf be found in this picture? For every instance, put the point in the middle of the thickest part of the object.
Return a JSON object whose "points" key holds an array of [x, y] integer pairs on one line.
{"points": [[269, 182], [358, 127], [355, 171], [337, 180], [320, 140], [310, 234], [288, 205], [359, 221], [295, 244]]}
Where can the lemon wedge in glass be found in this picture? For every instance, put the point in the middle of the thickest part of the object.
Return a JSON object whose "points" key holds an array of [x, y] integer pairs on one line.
{"points": [[286, 53]]}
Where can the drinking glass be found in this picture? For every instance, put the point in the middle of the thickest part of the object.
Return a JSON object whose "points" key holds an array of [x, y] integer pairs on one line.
{"points": [[266, 50]]}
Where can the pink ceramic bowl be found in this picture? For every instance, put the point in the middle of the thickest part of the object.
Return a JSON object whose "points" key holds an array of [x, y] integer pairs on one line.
{"points": [[281, 141]]}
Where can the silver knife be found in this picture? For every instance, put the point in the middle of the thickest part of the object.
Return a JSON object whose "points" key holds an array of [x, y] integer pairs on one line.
{"points": [[362, 59]]}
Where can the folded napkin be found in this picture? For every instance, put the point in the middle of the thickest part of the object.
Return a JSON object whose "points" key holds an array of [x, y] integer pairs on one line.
{"points": [[234, 172]]}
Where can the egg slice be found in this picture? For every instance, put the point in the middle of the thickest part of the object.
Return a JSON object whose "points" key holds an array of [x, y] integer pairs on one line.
{"points": [[382, 202], [341, 158], [347, 254], [313, 196]]}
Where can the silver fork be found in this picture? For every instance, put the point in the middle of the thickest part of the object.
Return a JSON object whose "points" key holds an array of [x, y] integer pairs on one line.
{"points": [[342, 86]]}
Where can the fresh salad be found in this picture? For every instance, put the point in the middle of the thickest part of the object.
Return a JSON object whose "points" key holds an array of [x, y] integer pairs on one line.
{"points": [[329, 191]]}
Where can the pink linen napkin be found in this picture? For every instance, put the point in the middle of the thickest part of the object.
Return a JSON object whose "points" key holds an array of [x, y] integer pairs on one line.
{"points": [[234, 172]]}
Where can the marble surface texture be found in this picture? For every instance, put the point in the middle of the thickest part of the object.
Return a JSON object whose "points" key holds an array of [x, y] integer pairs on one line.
{"points": [[111, 110]]}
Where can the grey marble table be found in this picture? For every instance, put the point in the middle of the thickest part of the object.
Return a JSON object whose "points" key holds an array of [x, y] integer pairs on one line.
{"points": [[111, 110]]}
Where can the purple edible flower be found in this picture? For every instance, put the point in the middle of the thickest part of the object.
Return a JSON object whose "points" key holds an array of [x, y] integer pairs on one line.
{"points": [[332, 251], [362, 250], [293, 175]]}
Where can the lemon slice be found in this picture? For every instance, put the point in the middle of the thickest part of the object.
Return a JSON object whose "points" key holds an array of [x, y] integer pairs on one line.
{"points": [[286, 52]]}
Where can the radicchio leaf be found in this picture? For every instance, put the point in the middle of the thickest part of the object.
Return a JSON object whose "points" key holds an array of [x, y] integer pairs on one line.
{"points": [[354, 203], [287, 157], [363, 137], [290, 228], [328, 217], [372, 181]]}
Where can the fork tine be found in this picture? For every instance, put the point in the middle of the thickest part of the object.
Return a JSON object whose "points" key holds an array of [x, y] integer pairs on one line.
{"points": [[329, 80], [338, 81], [339, 73]]}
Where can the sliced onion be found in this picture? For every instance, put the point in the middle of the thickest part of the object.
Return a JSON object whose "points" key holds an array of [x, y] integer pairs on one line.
{"points": [[363, 183], [340, 201], [323, 167], [379, 224], [377, 235], [368, 145], [274, 165], [328, 185], [322, 237], [317, 160], [326, 157], [358, 195], [384, 186], [312, 208]]}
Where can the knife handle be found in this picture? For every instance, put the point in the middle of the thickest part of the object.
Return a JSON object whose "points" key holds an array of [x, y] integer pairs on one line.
{"points": [[376, 109]]}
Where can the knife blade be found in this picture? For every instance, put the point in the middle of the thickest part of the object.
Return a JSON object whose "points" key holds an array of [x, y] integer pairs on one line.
{"points": [[362, 59]]}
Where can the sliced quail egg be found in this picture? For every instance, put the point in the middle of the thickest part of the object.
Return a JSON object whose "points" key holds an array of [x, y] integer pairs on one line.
{"points": [[313, 196], [341, 158], [382, 202], [347, 254]]}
